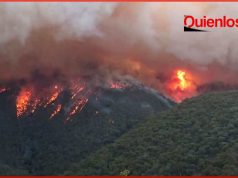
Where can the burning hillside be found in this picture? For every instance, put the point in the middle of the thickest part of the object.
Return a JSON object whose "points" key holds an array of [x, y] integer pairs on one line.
{"points": [[182, 85], [70, 97], [101, 68], [103, 41], [30, 98]]}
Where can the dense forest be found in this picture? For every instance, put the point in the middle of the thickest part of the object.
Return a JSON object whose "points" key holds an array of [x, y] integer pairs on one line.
{"points": [[197, 137]]}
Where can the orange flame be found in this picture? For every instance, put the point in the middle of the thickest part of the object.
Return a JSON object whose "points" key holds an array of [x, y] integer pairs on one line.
{"points": [[54, 96], [77, 107], [23, 101], [181, 85], [183, 82], [30, 98], [28, 101]]}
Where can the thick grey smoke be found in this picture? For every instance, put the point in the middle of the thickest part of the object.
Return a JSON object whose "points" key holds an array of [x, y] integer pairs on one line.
{"points": [[144, 40]]}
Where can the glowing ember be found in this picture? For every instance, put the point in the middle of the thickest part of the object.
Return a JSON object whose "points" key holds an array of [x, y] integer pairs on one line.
{"points": [[35, 104], [54, 96], [76, 88], [23, 101], [116, 85], [77, 107], [181, 86], [56, 111]]}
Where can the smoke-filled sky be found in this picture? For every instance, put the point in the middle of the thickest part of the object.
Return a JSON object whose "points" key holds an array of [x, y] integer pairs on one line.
{"points": [[142, 40]]}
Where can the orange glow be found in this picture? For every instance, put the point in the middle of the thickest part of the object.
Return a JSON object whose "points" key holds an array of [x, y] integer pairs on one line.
{"points": [[30, 99], [56, 111], [54, 95], [77, 107], [23, 101], [181, 85], [76, 88]]}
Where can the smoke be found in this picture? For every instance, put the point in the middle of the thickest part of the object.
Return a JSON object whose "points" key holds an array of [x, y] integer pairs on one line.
{"points": [[110, 40]]}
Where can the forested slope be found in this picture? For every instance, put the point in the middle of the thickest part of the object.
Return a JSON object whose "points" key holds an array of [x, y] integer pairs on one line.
{"points": [[197, 137]]}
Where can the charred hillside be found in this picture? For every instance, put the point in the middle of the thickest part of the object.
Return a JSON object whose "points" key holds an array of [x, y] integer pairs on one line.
{"points": [[36, 143]]}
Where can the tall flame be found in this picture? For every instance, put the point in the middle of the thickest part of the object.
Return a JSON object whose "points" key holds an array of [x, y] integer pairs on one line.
{"points": [[181, 85], [23, 101], [55, 93], [183, 82], [77, 107]]}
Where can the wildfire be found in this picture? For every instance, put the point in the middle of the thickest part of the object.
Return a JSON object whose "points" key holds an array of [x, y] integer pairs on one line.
{"points": [[183, 82], [181, 86], [54, 95], [77, 107], [76, 88], [30, 98], [23, 101], [56, 111]]}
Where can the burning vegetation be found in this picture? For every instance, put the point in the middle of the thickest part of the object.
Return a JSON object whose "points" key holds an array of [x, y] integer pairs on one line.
{"points": [[33, 96], [47, 92], [23, 100], [181, 85], [30, 98]]}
